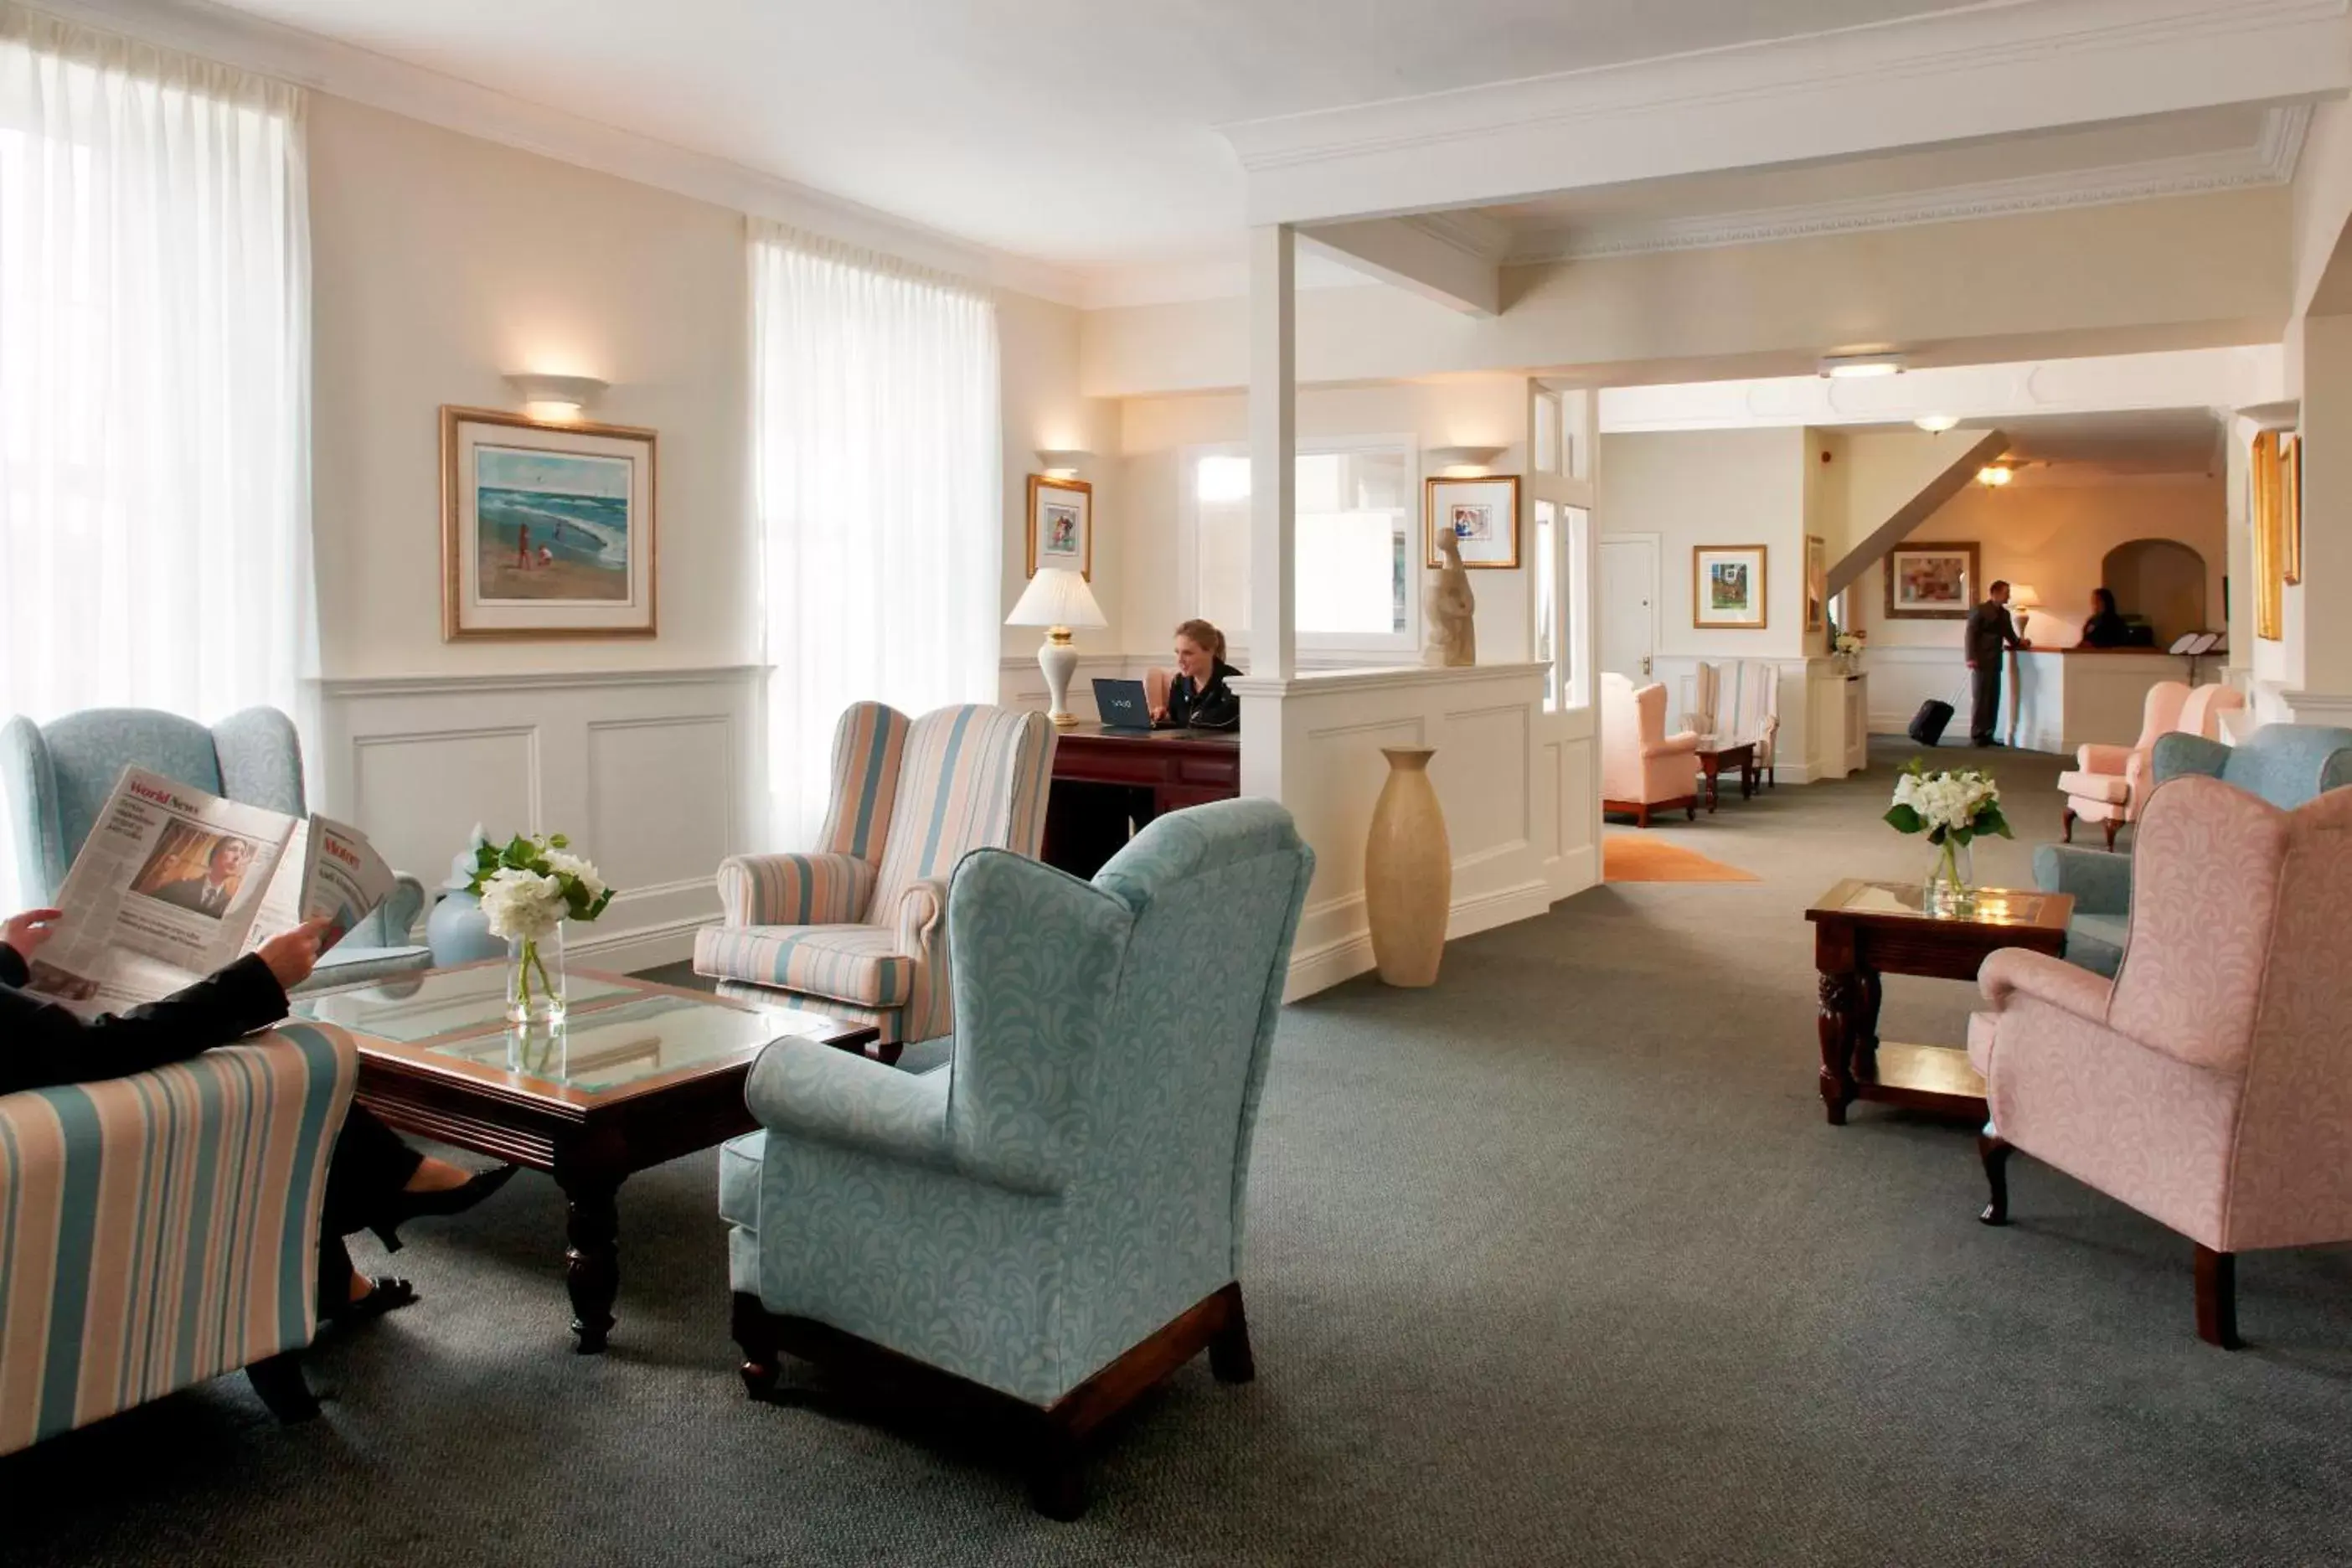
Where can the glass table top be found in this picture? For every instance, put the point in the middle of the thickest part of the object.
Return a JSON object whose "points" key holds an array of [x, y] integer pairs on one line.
{"points": [[616, 1033], [1988, 906]]}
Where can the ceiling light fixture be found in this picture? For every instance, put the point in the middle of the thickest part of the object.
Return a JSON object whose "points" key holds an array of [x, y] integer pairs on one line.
{"points": [[1994, 474], [557, 398], [1844, 367], [1934, 424]]}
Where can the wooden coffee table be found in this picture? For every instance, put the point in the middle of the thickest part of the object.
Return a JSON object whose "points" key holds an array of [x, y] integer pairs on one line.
{"points": [[1712, 762], [639, 1074], [1863, 930]]}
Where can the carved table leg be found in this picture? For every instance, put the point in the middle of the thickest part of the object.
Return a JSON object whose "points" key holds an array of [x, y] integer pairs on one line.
{"points": [[1714, 771], [1840, 1001], [1747, 781], [593, 1261], [1868, 990]]}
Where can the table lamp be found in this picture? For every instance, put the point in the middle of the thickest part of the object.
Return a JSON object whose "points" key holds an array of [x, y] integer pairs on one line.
{"points": [[2022, 602], [1057, 599]]}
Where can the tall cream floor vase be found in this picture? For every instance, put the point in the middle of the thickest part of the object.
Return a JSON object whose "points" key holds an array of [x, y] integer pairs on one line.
{"points": [[1408, 871]]}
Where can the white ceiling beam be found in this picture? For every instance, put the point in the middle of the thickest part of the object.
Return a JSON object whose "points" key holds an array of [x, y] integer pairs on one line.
{"points": [[1980, 72], [1435, 260]]}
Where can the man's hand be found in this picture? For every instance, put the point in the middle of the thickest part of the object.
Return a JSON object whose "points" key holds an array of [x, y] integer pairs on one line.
{"points": [[27, 931], [292, 954]]}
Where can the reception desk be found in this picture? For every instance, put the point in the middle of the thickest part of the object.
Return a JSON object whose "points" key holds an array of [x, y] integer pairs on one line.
{"points": [[2065, 697], [1108, 782]]}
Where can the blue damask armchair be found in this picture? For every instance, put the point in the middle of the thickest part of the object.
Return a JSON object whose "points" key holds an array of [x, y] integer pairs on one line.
{"points": [[1054, 1218], [2285, 764], [57, 777]]}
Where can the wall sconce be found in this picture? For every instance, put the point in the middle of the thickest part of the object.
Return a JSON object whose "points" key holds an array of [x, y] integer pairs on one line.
{"points": [[557, 398], [1062, 463], [1993, 476], [1470, 459]]}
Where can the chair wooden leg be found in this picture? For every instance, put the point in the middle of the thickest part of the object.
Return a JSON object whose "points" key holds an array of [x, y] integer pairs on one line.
{"points": [[755, 1333], [1995, 1151], [1690, 810], [2111, 824], [2066, 825], [1057, 1473], [1642, 815], [2217, 1298], [1229, 1349], [278, 1380]]}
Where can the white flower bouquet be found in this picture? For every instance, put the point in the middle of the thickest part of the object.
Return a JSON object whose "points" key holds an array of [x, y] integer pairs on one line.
{"points": [[1951, 806], [529, 887]]}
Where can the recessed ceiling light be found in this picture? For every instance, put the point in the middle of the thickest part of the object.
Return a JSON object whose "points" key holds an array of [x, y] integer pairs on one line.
{"points": [[1846, 366], [1995, 475], [1934, 424]]}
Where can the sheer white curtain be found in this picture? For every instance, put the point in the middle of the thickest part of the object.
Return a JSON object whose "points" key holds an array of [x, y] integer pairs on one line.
{"points": [[881, 497], [154, 380]]}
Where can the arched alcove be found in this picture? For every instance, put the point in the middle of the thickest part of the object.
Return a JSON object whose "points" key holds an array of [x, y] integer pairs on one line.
{"points": [[2160, 579]]}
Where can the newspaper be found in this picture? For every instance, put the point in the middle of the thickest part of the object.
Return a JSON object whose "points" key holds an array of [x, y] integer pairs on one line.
{"points": [[173, 883]]}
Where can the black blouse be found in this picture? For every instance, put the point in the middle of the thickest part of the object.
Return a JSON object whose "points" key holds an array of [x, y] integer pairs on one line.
{"points": [[2105, 629], [1210, 707]]}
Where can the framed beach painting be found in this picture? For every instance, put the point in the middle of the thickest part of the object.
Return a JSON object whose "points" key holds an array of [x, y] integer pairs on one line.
{"points": [[1931, 582], [1062, 525], [1727, 585], [547, 530], [1482, 514]]}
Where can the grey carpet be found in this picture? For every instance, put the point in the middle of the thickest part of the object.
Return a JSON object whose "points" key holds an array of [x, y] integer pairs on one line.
{"points": [[1557, 1262]]}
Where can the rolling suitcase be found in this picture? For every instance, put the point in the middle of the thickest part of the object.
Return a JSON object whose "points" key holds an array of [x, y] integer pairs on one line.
{"points": [[1928, 724]]}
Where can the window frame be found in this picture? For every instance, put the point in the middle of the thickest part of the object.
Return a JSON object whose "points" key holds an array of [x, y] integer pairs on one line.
{"points": [[1389, 648]]}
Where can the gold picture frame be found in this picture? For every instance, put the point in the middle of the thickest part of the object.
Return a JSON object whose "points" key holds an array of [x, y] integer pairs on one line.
{"points": [[1061, 524], [2263, 475], [1927, 581], [593, 493], [1730, 587], [1817, 584], [2291, 507], [1483, 512]]}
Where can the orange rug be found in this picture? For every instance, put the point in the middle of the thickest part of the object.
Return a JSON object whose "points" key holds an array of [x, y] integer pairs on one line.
{"points": [[1639, 858]]}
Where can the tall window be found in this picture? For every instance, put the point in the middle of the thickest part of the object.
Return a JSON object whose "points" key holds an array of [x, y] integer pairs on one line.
{"points": [[154, 395], [879, 492], [1356, 503]]}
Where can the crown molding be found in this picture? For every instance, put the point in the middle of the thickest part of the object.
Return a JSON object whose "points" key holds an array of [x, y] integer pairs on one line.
{"points": [[343, 71], [1997, 67], [2270, 161]]}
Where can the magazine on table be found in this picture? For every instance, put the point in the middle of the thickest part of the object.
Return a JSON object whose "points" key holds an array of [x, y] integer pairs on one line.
{"points": [[172, 883]]}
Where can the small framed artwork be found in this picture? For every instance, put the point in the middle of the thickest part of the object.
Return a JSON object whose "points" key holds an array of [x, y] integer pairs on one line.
{"points": [[2269, 538], [1062, 525], [1931, 582], [547, 530], [2290, 507], [1817, 584], [1483, 515], [1727, 585]]}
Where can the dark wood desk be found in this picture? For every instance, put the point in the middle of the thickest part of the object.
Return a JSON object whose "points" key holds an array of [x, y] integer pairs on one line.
{"points": [[1863, 930], [1108, 782]]}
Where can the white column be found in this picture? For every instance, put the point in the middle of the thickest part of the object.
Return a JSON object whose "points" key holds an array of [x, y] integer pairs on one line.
{"points": [[1274, 456]]}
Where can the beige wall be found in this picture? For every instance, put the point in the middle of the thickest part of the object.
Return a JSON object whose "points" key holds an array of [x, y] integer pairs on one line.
{"points": [[1471, 410], [1713, 488], [2177, 273], [1043, 409], [2055, 537], [440, 263]]}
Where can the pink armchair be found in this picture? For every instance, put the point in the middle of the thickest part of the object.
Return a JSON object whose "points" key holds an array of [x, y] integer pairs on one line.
{"points": [[2109, 783], [2209, 1084], [1643, 768]]}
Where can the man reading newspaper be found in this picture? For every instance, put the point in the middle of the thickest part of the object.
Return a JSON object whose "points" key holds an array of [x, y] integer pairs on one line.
{"points": [[174, 884]]}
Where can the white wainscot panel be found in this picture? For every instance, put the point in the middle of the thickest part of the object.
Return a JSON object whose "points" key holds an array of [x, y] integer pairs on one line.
{"points": [[649, 772], [1483, 760]]}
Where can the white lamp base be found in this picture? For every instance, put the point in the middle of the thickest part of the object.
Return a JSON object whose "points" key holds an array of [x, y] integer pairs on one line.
{"points": [[1060, 660]]}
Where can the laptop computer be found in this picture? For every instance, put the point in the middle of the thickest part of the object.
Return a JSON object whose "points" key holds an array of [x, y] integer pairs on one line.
{"points": [[1122, 704]]}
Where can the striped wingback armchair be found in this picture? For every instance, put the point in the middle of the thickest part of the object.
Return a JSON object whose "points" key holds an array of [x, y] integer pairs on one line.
{"points": [[159, 1230], [856, 928]]}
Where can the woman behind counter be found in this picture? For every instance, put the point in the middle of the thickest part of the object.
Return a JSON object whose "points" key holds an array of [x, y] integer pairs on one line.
{"points": [[2105, 629], [1196, 697]]}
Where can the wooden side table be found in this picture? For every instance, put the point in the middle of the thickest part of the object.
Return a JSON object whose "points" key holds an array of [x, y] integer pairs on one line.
{"points": [[1712, 763], [1863, 930]]}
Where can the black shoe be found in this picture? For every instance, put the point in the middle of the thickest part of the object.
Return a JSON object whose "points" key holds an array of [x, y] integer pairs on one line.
{"points": [[385, 1294], [406, 1206]]}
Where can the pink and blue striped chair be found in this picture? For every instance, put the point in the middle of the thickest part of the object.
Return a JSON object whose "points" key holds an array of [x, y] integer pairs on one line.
{"points": [[858, 929], [160, 1230]]}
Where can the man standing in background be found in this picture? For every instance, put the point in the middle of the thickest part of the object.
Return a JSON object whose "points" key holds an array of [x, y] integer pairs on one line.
{"points": [[1989, 632]]}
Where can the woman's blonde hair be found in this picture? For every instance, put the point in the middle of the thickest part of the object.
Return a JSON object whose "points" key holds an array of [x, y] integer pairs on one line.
{"points": [[1203, 635]]}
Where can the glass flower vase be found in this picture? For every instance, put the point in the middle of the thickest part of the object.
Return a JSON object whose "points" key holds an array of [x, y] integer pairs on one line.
{"points": [[535, 978], [1951, 886]]}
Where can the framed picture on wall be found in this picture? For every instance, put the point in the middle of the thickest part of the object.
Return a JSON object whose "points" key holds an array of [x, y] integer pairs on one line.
{"points": [[547, 530], [2265, 474], [2291, 507], [1727, 585], [1483, 515], [1931, 582], [1062, 525], [1817, 584]]}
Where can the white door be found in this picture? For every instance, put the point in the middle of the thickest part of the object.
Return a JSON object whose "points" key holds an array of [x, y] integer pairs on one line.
{"points": [[1629, 605]]}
